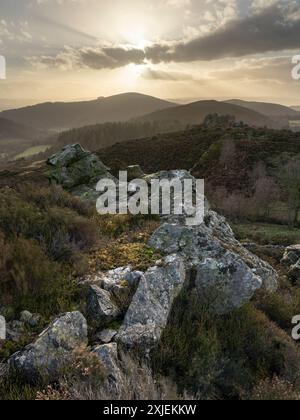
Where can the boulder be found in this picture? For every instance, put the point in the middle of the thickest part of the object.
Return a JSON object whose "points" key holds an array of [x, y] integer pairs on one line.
{"points": [[291, 255], [212, 239], [78, 171], [68, 155], [44, 360], [101, 309], [150, 308], [226, 283]]}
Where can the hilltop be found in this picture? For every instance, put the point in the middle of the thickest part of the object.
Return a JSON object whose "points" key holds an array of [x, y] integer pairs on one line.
{"points": [[238, 164], [269, 109], [58, 116], [196, 112]]}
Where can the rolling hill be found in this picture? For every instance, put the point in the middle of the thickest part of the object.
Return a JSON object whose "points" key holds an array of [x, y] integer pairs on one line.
{"points": [[61, 116], [201, 149], [196, 112], [269, 109]]}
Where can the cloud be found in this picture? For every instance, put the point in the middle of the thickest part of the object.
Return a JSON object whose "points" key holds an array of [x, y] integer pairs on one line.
{"points": [[272, 69], [271, 27], [96, 58], [275, 28], [14, 32]]}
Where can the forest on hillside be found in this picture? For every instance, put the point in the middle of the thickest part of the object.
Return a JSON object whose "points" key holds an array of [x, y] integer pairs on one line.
{"points": [[99, 136]]}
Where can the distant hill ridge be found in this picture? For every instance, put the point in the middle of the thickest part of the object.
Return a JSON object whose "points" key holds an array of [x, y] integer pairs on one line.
{"points": [[269, 109], [59, 116], [196, 112]]}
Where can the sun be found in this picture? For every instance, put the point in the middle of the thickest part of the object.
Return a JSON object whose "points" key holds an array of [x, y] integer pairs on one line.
{"points": [[133, 31], [137, 37]]}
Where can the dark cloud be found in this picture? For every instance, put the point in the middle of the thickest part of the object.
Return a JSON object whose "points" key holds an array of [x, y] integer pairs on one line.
{"points": [[109, 57], [96, 58], [276, 28]]}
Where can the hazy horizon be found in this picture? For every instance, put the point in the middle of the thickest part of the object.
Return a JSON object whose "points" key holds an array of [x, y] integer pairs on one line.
{"points": [[66, 50], [6, 105]]}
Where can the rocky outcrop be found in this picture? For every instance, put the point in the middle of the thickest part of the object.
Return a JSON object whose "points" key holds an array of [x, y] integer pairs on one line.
{"points": [[52, 351], [77, 170], [225, 273], [205, 258]]}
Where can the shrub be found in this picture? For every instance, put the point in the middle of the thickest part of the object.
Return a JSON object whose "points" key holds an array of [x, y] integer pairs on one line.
{"points": [[218, 356], [60, 230], [30, 280], [275, 389]]}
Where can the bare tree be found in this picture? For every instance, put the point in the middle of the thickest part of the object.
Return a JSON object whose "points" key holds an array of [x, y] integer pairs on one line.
{"points": [[267, 193], [290, 178]]}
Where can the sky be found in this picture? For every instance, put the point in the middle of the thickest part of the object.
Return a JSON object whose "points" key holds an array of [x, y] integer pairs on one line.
{"points": [[65, 50]]}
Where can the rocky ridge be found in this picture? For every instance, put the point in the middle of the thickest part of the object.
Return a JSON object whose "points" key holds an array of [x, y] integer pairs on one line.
{"points": [[206, 258]]}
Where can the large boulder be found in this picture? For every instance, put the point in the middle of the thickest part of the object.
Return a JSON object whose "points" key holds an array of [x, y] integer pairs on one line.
{"points": [[210, 240], [77, 170], [45, 359], [67, 156], [150, 308], [226, 283], [101, 309]]}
